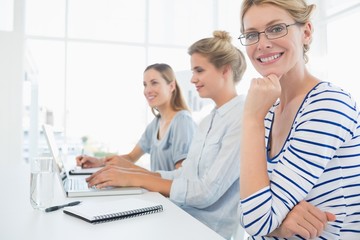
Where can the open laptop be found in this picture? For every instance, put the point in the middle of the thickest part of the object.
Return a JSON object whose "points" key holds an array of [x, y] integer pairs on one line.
{"points": [[77, 186]]}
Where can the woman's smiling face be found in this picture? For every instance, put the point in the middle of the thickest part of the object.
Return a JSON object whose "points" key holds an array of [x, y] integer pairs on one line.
{"points": [[156, 90], [275, 56]]}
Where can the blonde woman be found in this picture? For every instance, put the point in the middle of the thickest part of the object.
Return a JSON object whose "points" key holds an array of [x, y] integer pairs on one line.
{"points": [[311, 149], [207, 185]]}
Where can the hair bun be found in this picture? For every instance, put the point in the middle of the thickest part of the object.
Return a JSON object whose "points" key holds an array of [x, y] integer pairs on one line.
{"points": [[222, 35]]}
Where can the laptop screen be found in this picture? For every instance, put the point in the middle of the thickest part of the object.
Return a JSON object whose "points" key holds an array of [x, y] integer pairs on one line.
{"points": [[50, 137]]}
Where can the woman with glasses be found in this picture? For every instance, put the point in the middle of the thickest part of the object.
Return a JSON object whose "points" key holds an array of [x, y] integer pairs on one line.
{"points": [[207, 185], [167, 138], [311, 149]]}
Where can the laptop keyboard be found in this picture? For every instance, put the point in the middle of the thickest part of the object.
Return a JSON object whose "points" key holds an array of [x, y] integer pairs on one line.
{"points": [[77, 184]]}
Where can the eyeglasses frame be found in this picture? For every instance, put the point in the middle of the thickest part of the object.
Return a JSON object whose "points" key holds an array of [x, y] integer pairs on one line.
{"points": [[264, 32]]}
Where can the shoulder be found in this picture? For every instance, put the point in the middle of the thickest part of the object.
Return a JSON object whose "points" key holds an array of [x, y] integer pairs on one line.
{"points": [[231, 114], [329, 103], [183, 116], [330, 90], [235, 107], [182, 124], [330, 95]]}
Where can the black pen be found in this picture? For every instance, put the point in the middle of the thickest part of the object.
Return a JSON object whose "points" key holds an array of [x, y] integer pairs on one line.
{"points": [[54, 208]]}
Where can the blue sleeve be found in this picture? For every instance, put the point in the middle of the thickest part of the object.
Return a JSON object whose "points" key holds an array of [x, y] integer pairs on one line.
{"points": [[183, 129], [146, 139]]}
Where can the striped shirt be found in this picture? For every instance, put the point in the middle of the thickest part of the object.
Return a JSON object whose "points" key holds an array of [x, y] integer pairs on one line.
{"points": [[319, 163]]}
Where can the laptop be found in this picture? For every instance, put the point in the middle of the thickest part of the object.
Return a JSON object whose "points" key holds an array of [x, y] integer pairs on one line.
{"points": [[77, 186]]}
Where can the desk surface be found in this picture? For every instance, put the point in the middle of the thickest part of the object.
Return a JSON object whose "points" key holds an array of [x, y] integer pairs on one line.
{"points": [[19, 220]]}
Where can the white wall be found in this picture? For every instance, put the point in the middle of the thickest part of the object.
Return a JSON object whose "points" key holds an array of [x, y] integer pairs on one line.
{"points": [[11, 79]]}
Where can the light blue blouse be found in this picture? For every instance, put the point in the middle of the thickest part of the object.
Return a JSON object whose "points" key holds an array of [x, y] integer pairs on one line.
{"points": [[207, 186], [174, 145]]}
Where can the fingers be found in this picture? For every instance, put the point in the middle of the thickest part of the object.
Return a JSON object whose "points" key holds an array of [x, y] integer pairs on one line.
{"points": [[266, 84], [95, 174], [297, 229], [312, 225], [318, 215], [88, 162], [104, 177], [82, 161], [78, 160], [262, 94], [273, 77], [314, 220], [110, 176], [330, 217], [97, 179]]}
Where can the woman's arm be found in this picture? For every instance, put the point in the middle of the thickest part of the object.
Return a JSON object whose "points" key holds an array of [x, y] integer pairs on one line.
{"points": [[120, 160], [114, 176], [134, 155], [125, 159], [262, 93], [323, 124]]}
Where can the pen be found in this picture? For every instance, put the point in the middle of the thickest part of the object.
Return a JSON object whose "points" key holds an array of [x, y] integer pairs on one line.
{"points": [[54, 208], [82, 156]]}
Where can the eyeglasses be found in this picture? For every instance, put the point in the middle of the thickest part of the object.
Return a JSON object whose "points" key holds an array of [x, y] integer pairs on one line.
{"points": [[272, 32]]}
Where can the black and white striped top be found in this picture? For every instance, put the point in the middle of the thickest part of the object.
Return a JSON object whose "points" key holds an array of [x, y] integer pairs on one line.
{"points": [[319, 162]]}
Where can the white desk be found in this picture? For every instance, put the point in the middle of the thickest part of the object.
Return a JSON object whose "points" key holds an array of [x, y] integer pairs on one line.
{"points": [[18, 220]]}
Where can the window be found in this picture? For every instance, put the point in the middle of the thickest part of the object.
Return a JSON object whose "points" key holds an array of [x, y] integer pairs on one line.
{"points": [[104, 94], [111, 20], [45, 18], [85, 60], [343, 51], [6, 15]]}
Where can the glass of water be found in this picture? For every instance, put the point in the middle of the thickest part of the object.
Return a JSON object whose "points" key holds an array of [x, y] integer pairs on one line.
{"points": [[41, 182]]}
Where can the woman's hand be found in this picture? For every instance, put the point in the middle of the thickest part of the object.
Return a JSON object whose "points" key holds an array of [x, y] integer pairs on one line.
{"points": [[305, 220], [115, 176], [262, 94], [112, 176], [89, 162]]}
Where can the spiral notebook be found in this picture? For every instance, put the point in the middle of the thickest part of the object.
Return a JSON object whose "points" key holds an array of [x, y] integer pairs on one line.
{"points": [[95, 212]]}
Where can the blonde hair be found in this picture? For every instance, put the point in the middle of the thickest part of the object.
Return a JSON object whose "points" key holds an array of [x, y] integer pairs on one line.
{"points": [[221, 52], [299, 10], [177, 101]]}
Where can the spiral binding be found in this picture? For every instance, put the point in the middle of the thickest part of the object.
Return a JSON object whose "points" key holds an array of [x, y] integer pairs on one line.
{"points": [[127, 214]]}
